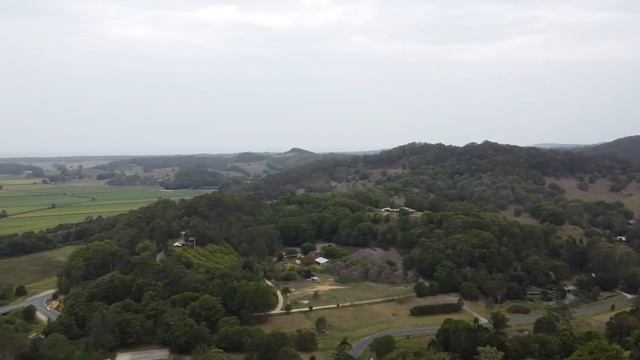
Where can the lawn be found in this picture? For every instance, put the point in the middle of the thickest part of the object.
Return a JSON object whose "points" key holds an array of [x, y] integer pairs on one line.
{"points": [[327, 292], [34, 268], [357, 322], [30, 204]]}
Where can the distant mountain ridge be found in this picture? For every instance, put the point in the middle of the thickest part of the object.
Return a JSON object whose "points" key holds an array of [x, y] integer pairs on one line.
{"points": [[626, 148], [557, 146]]}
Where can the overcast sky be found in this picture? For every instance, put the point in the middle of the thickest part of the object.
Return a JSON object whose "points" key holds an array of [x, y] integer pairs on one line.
{"points": [[91, 77]]}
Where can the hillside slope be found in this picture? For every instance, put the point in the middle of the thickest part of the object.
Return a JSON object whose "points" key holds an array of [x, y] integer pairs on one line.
{"points": [[626, 148]]}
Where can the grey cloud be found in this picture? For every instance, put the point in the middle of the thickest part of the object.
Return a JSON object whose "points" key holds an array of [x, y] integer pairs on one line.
{"points": [[91, 77]]}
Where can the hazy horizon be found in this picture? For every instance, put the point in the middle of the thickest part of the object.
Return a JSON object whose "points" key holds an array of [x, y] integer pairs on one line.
{"points": [[90, 78]]}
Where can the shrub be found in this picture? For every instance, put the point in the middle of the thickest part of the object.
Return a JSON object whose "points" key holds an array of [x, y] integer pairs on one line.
{"points": [[288, 276], [421, 289], [334, 252], [6, 290], [321, 324], [434, 289], [305, 340], [518, 309], [29, 313], [307, 248], [469, 291], [435, 309], [20, 290]]}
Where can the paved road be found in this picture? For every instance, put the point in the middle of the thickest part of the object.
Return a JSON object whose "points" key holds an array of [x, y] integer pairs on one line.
{"points": [[586, 310], [39, 301]]}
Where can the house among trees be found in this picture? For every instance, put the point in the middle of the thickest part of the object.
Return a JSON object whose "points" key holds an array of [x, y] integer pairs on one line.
{"points": [[393, 210], [185, 240], [621, 238], [321, 261]]}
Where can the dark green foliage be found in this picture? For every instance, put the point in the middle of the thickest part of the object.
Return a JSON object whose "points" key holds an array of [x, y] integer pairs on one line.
{"points": [[56, 347], [448, 276], [272, 344], [435, 309], [343, 351], [6, 291], [598, 350], [469, 291], [305, 340], [13, 344], [461, 338], [499, 321], [206, 311], [546, 324], [621, 326], [306, 248], [334, 252], [20, 290], [239, 338], [288, 353], [382, 346], [421, 289], [254, 298], [29, 313]]}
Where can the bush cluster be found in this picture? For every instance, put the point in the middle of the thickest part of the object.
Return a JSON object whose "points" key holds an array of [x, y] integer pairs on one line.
{"points": [[435, 309]]}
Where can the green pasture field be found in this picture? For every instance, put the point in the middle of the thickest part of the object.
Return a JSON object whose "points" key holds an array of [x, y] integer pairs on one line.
{"points": [[357, 322], [33, 268], [29, 204]]}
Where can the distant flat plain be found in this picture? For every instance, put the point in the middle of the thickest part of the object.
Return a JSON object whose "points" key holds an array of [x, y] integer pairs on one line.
{"points": [[33, 206]]}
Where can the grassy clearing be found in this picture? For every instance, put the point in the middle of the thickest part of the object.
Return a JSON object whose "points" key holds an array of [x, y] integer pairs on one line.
{"points": [[485, 310], [29, 204], [327, 292], [35, 268], [523, 218], [357, 322], [599, 191]]}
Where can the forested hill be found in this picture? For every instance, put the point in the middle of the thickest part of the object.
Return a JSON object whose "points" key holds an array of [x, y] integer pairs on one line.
{"points": [[626, 148], [20, 169], [427, 168], [118, 293], [222, 170]]}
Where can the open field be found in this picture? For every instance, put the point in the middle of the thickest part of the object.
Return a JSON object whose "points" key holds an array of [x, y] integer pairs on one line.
{"points": [[35, 267], [30, 205], [359, 321], [327, 291], [629, 196]]}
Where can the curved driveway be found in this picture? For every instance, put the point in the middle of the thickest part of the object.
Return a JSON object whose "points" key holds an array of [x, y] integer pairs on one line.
{"points": [[585, 310], [39, 301], [280, 305]]}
